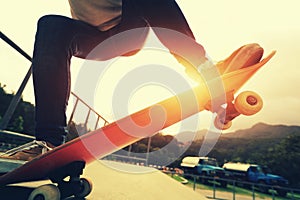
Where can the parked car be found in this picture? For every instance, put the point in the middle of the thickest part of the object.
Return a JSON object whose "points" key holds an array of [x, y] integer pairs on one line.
{"points": [[254, 173], [207, 168]]}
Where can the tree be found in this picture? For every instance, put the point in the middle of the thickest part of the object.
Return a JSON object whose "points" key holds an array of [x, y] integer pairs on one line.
{"points": [[284, 159], [22, 120], [17, 124]]}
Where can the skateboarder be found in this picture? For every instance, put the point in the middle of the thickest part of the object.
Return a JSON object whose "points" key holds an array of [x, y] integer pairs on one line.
{"points": [[58, 38]]}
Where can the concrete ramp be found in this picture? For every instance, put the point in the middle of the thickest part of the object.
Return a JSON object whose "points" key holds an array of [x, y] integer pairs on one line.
{"points": [[121, 181], [117, 181]]}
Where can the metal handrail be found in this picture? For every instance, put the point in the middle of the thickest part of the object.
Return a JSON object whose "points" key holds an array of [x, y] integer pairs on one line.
{"points": [[90, 109], [16, 99]]}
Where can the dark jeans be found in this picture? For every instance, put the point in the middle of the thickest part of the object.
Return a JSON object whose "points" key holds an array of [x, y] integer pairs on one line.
{"points": [[59, 38]]}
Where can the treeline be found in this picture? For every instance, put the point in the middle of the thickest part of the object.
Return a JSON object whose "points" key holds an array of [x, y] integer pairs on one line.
{"points": [[22, 120]]}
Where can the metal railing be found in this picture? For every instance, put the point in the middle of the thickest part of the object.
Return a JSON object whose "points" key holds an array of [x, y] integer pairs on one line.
{"points": [[254, 190], [17, 97], [90, 110]]}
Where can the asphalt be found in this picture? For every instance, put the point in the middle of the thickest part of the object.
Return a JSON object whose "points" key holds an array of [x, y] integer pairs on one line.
{"points": [[119, 181]]}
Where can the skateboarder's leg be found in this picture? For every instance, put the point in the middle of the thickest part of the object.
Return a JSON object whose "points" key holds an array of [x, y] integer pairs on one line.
{"points": [[57, 40], [176, 34], [51, 60], [51, 75]]}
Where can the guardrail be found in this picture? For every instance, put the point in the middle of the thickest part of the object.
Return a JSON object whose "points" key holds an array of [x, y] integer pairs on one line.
{"points": [[127, 159]]}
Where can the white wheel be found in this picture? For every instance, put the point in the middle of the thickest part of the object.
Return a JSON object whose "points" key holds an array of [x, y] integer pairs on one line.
{"points": [[220, 125], [45, 192], [86, 188], [248, 103]]}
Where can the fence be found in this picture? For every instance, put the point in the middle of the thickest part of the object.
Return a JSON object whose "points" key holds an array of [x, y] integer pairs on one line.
{"points": [[254, 190]]}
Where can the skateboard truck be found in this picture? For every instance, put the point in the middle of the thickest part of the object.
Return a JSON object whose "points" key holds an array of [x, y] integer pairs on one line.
{"points": [[68, 183], [75, 185], [246, 103]]}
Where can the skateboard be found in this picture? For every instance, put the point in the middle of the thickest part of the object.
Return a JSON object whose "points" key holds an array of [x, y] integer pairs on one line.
{"points": [[69, 159]]}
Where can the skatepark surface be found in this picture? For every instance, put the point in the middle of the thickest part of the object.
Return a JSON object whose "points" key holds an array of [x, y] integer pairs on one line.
{"points": [[118, 181]]}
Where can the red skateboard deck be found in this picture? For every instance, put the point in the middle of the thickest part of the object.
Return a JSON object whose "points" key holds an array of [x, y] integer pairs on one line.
{"points": [[144, 123]]}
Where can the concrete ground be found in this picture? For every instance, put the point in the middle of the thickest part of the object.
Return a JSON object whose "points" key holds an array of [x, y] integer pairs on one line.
{"points": [[119, 181]]}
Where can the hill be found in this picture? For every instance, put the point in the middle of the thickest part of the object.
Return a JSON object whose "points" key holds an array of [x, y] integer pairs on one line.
{"points": [[258, 131], [262, 130]]}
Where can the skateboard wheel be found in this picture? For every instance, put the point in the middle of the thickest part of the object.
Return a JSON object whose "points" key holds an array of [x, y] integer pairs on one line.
{"points": [[86, 188], [248, 103], [45, 192], [220, 125]]}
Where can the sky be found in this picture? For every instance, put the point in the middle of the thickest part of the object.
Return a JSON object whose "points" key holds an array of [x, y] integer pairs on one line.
{"points": [[220, 26]]}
